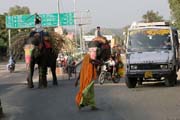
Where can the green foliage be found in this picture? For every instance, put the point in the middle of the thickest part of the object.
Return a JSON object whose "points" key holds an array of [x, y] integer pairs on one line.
{"points": [[17, 10], [3, 31], [152, 16], [175, 11]]}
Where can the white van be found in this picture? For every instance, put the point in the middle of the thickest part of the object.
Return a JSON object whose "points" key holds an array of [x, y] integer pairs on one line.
{"points": [[152, 53]]}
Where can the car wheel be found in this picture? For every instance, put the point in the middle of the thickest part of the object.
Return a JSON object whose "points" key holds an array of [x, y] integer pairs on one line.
{"points": [[171, 80], [131, 82]]}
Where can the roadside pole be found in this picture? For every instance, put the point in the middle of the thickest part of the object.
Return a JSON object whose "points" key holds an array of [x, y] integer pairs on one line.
{"points": [[9, 34], [75, 27], [58, 9]]}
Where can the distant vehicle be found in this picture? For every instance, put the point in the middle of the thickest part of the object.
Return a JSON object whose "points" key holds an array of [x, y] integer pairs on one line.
{"points": [[11, 68], [11, 65], [152, 53]]}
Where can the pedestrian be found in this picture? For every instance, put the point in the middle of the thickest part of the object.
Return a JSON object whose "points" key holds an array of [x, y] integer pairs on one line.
{"points": [[70, 61], [85, 96], [98, 32]]}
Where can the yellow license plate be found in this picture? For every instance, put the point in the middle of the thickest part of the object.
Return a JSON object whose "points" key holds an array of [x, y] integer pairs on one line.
{"points": [[148, 74]]}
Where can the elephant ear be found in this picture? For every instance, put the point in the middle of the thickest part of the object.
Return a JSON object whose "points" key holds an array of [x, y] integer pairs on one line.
{"points": [[18, 42]]}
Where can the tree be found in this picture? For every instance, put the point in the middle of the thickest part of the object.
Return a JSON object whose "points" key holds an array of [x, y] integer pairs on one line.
{"points": [[152, 16], [17, 10], [3, 31], [175, 11]]}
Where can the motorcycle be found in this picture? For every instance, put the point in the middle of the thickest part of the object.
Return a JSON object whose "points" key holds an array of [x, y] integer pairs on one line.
{"points": [[11, 68], [106, 74]]}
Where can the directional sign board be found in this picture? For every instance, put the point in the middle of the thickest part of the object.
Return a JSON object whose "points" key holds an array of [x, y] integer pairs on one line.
{"points": [[48, 20], [67, 19], [20, 21]]}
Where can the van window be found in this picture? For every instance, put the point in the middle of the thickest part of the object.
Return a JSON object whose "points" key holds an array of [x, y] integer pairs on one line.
{"points": [[149, 39]]}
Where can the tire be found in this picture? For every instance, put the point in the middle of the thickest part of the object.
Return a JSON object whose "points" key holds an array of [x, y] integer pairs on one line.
{"points": [[131, 82], [101, 78], [116, 79], [171, 80], [140, 81]]}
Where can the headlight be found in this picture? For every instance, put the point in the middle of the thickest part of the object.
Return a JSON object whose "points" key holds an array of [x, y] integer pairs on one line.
{"points": [[133, 67], [163, 66]]}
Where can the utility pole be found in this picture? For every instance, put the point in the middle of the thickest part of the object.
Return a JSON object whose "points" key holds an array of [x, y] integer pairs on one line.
{"points": [[82, 20], [58, 9], [75, 23], [9, 34]]}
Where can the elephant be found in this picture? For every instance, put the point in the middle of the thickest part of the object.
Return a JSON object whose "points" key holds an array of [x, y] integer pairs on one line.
{"points": [[103, 51], [44, 57]]}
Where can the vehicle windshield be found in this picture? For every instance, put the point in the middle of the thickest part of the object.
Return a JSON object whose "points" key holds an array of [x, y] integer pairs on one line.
{"points": [[149, 39]]}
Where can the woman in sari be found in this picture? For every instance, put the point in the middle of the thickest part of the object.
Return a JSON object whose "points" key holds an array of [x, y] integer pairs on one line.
{"points": [[85, 96]]}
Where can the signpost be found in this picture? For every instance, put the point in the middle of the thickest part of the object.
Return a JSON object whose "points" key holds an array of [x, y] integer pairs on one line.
{"points": [[48, 20]]}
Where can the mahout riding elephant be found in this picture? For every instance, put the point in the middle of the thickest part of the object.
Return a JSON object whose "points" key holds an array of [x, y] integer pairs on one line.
{"points": [[44, 56]]}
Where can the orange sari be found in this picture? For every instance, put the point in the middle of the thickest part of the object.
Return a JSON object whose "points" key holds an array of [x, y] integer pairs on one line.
{"points": [[87, 75]]}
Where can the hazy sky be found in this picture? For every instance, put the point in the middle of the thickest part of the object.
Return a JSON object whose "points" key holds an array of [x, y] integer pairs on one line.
{"points": [[106, 13]]}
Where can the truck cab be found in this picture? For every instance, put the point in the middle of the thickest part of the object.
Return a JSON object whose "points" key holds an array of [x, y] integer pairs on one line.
{"points": [[152, 53]]}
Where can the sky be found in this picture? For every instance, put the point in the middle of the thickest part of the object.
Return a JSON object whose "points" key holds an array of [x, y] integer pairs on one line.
{"points": [[104, 13]]}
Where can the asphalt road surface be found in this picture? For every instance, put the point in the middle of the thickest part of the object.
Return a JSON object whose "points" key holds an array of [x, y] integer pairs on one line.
{"points": [[152, 101]]}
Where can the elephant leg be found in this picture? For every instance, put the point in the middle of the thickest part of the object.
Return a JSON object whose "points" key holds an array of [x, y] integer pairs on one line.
{"points": [[30, 74], [53, 70], [42, 77]]}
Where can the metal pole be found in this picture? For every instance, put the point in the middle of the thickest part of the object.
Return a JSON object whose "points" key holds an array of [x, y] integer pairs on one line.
{"points": [[9, 34], [75, 27], [80, 25], [81, 44], [58, 8]]}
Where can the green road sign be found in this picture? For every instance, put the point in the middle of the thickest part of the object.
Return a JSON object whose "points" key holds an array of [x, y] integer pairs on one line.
{"points": [[20, 21], [48, 20], [67, 19]]}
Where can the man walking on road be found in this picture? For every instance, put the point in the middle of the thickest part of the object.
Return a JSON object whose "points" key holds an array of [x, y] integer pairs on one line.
{"points": [[70, 61]]}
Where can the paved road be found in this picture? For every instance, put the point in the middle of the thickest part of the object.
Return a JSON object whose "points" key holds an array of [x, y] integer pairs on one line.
{"points": [[116, 102]]}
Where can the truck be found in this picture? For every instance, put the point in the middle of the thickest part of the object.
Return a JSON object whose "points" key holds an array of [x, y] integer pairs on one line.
{"points": [[152, 53]]}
